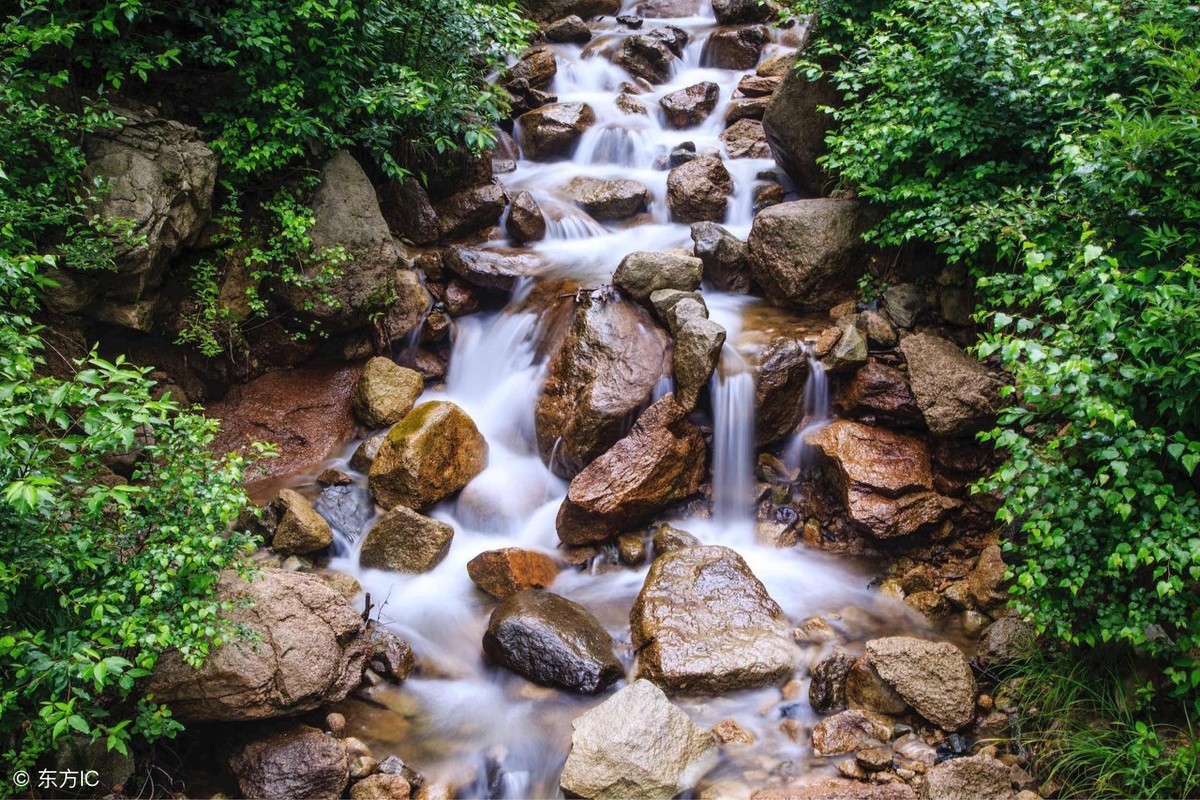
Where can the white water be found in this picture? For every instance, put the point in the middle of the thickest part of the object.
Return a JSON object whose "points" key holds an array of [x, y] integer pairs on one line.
{"points": [[799, 455], [460, 711]]}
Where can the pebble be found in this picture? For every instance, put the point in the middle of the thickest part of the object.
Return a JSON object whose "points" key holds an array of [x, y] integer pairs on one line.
{"points": [[336, 723]]}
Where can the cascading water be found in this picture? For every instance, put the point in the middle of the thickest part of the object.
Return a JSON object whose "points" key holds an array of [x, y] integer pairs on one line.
{"points": [[799, 455], [483, 729]]}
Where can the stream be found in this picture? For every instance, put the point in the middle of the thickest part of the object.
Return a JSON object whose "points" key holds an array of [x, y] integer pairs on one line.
{"points": [[480, 728]]}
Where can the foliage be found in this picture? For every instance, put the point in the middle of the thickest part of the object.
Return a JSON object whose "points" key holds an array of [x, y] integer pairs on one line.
{"points": [[1053, 147], [1089, 726], [114, 525]]}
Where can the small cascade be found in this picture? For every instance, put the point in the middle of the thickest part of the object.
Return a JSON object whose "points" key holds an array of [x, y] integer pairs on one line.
{"points": [[732, 390], [798, 455]]}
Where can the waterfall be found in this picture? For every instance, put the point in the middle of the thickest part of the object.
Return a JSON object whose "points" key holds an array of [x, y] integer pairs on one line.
{"points": [[733, 441], [798, 455]]}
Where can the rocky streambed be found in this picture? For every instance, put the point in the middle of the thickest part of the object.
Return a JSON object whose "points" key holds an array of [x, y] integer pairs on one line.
{"points": [[648, 496]]}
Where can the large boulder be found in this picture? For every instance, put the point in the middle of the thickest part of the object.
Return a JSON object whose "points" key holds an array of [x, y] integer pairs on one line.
{"points": [[974, 778], [796, 127], [429, 455], [502, 573], [779, 390], [526, 222], [569, 30], [608, 199], [385, 392], [808, 254], [641, 273], [405, 541], [347, 216], [471, 210], [932, 677], [546, 10], [652, 55], [535, 69], [885, 477], [956, 393], [699, 190], [735, 48], [742, 12], [703, 623], [159, 178], [725, 257], [298, 761], [659, 462], [687, 108], [603, 371], [637, 744], [301, 529], [309, 653], [880, 394], [552, 641], [552, 131], [409, 213], [489, 269]]}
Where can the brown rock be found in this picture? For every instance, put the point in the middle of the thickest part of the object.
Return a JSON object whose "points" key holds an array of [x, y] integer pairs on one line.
{"points": [[881, 394], [650, 56], [569, 30], [471, 210], [301, 529], [659, 462], [525, 220], [827, 691], [490, 269], [735, 48], [747, 108], [642, 273], [986, 582], [405, 541], [299, 761], [796, 124], [956, 393], [668, 539], [974, 778], [776, 66], [385, 392], [689, 107], [779, 391], [845, 731], [839, 789], [536, 69], [545, 10], [934, 678], [608, 200], [1006, 641], [381, 786], [745, 139], [742, 12], [426, 457], [632, 548], [699, 190], [730, 731], [503, 573], [866, 691], [552, 131], [725, 257], [408, 212], [704, 624], [758, 86]]}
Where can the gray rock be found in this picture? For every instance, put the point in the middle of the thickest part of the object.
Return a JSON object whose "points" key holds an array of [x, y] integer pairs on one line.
{"points": [[552, 641], [642, 273], [683, 625], [552, 131], [905, 303], [933, 677], [299, 761], [569, 30], [827, 691], [779, 391], [409, 213], [405, 541], [471, 210], [687, 108], [796, 127], [698, 345], [725, 257], [526, 223], [699, 190], [957, 394], [637, 744], [1008, 640], [849, 353], [490, 269], [608, 200], [385, 392], [301, 529], [974, 778]]}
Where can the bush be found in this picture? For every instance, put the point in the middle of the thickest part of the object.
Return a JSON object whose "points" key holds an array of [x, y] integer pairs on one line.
{"points": [[1052, 146]]}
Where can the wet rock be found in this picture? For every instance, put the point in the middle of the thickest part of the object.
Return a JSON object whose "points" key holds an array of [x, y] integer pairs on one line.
{"points": [[885, 477], [408, 211], [390, 655], [767, 195], [552, 131], [304, 411], [956, 393], [652, 55], [471, 210], [849, 352], [745, 139], [845, 731], [839, 789], [704, 624], [776, 66], [364, 454], [730, 731], [912, 747], [673, 306], [905, 303], [814, 630], [724, 256], [957, 304], [385, 392], [985, 584], [1008, 640], [735, 48], [552, 641], [300, 529], [299, 761], [881, 394], [569, 30], [642, 273], [974, 778], [545, 10], [426, 457], [315, 654], [461, 298], [604, 370], [699, 190], [160, 178], [682, 154], [347, 215], [742, 12], [636, 744], [796, 126], [505, 572], [933, 677], [332, 476], [751, 108], [345, 585], [526, 222], [629, 105], [608, 199], [659, 462], [808, 253], [668, 539], [631, 548], [779, 391], [827, 691], [698, 345], [867, 691], [536, 69], [877, 329], [756, 86], [405, 541], [689, 107], [631, 21], [489, 269], [930, 605], [874, 758], [381, 786]]}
